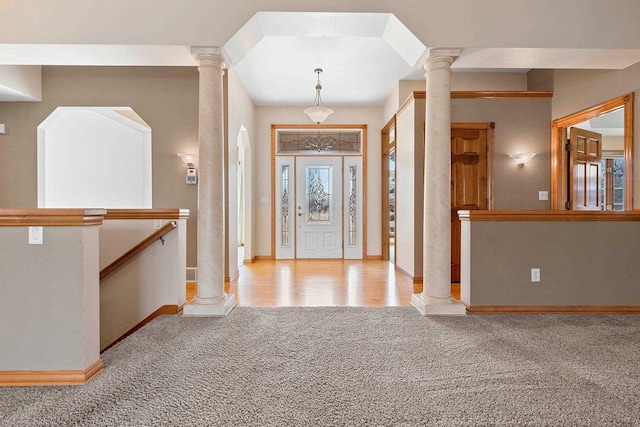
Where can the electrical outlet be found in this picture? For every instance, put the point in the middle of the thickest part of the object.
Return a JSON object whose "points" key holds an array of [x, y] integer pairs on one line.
{"points": [[535, 274], [35, 235], [157, 223]]}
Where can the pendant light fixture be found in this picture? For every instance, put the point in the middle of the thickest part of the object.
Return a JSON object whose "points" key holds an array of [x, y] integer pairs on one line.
{"points": [[318, 113]]}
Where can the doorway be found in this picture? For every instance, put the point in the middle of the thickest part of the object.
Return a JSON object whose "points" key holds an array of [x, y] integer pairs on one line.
{"points": [[244, 197], [568, 182], [471, 178], [388, 173], [319, 192]]}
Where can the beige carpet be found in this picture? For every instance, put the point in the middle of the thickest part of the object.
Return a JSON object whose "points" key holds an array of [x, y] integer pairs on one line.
{"points": [[354, 366]]}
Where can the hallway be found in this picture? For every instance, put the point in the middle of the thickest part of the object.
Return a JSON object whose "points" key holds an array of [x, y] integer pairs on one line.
{"points": [[316, 283]]}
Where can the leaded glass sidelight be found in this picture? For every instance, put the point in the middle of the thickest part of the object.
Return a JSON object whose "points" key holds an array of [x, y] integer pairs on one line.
{"points": [[353, 199], [318, 194], [284, 205]]}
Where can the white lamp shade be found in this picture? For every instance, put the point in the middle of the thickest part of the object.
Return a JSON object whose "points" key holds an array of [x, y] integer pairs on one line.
{"points": [[318, 114], [522, 158], [188, 158]]}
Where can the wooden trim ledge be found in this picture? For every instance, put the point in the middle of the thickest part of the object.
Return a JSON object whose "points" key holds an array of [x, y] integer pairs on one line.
{"points": [[491, 94], [551, 309], [50, 217], [42, 378], [548, 216], [147, 214]]}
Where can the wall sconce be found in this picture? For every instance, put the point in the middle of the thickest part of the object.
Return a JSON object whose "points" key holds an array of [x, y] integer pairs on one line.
{"points": [[190, 160], [522, 158]]}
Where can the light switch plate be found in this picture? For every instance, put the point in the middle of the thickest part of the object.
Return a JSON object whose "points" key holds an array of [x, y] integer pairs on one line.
{"points": [[535, 274], [35, 235], [543, 195]]}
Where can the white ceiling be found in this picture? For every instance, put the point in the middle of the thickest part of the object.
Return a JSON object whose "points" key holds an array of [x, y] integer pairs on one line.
{"points": [[363, 56], [610, 124]]}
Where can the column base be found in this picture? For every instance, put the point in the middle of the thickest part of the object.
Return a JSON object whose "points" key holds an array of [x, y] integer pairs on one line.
{"points": [[430, 307], [215, 307]]}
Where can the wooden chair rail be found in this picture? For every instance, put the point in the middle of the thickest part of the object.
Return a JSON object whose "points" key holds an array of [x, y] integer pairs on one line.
{"points": [[466, 215], [137, 249]]}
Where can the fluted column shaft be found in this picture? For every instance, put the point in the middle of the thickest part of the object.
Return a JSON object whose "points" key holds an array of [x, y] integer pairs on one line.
{"points": [[211, 300], [437, 181], [210, 192], [436, 295]]}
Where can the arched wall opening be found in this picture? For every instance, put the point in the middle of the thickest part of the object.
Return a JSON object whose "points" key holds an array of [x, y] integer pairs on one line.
{"points": [[96, 157], [244, 203]]}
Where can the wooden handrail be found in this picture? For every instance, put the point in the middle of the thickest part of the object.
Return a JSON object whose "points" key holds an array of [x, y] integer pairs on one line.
{"points": [[137, 249], [146, 214]]}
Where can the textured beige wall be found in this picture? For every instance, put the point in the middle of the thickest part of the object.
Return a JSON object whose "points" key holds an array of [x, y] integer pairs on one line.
{"points": [[50, 314], [576, 90], [540, 80], [152, 279], [166, 98], [581, 263], [521, 125]]}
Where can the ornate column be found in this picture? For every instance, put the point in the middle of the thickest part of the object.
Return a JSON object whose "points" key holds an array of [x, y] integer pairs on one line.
{"points": [[436, 295], [211, 300]]}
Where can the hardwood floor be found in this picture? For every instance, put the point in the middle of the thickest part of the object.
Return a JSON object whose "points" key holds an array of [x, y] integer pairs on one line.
{"points": [[313, 283]]}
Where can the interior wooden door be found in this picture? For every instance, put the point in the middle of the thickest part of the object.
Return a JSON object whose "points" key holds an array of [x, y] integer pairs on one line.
{"points": [[586, 152], [470, 147]]}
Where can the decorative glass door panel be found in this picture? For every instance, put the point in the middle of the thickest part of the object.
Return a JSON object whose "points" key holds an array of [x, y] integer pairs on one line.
{"points": [[319, 207], [318, 194]]}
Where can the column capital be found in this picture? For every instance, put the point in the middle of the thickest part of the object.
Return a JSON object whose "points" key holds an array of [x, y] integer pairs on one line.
{"points": [[437, 55], [208, 55]]}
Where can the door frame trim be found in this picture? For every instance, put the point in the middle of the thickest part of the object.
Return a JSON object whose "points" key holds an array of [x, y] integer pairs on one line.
{"points": [[363, 128], [559, 170], [384, 171]]}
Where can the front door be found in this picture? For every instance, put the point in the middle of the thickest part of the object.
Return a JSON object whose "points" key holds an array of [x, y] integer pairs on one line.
{"points": [[469, 179], [585, 156], [318, 207]]}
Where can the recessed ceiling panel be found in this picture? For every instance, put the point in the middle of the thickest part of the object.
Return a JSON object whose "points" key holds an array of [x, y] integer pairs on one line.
{"points": [[362, 56]]}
